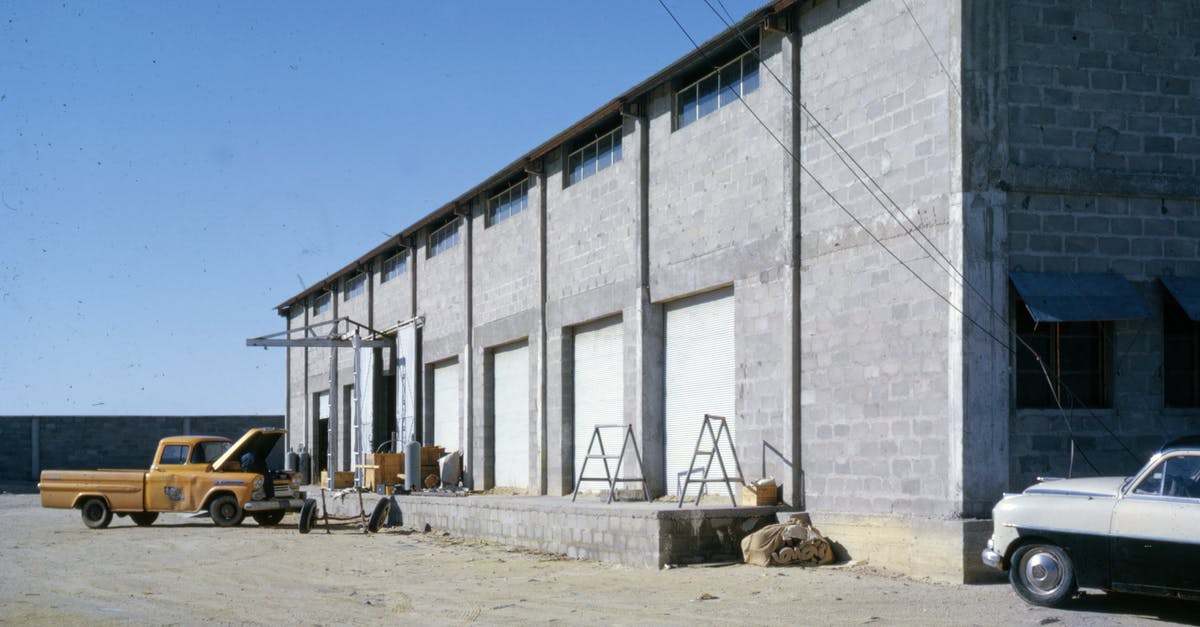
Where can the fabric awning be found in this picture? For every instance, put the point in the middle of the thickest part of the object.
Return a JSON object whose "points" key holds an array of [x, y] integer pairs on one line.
{"points": [[1186, 292], [1055, 297]]}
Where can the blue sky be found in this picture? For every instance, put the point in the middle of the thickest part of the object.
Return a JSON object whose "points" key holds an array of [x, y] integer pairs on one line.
{"points": [[171, 171]]}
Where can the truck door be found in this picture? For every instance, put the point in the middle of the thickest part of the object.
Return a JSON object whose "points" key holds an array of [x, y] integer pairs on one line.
{"points": [[166, 483]]}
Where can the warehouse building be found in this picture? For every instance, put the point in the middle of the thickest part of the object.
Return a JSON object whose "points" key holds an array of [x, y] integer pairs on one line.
{"points": [[843, 226]]}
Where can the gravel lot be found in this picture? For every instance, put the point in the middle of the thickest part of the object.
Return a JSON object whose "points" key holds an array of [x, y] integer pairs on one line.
{"points": [[183, 570]]}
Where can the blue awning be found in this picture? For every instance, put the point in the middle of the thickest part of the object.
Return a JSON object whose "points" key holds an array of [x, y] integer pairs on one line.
{"points": [[1186, 291], [1054, 297]]}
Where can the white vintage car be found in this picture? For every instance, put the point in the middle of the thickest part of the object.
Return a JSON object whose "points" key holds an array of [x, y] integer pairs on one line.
{"points": [[1138, 534]]}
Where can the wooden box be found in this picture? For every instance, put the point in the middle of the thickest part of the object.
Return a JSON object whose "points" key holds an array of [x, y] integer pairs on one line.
{"points": [[340, 479], [764, 494]]}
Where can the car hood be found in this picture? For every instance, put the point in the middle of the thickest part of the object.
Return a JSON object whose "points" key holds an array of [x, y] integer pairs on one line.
{"points": [[257, 441], [1088, 486]]}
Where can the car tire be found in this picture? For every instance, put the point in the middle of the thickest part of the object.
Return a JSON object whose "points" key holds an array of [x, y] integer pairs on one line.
{"points": [[379, 515], [143, 519], [268, 519], [308, 516], [225, 511], [96, 513], [1043, 574]]}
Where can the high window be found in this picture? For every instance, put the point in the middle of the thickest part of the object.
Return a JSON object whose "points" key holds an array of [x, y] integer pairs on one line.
{"points": [[594, 157], [508, 203], [722, 86], [394, 266], [321, 303], [1075, 358], [1181, 357], [355, 285], [444, 238]]}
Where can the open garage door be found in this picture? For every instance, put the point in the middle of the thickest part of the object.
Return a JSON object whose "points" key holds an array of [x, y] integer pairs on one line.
{"points": [[700, 368], [510, 384]]}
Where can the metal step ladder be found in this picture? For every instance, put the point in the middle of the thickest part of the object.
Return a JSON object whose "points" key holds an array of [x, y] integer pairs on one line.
{"points": [[614, 477], [712, 453]]}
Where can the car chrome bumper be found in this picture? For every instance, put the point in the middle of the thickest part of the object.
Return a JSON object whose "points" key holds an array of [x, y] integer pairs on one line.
{"points": [[991, 557], [289, 505]]}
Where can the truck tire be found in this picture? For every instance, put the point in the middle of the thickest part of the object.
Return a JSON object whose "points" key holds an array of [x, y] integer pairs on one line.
{"points": [[379, 515], [96, 513], [225, 511], [144, 519], [308, 516], [268, 519]]}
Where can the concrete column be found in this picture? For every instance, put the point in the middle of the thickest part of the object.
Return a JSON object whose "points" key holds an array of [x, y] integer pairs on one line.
{"points": [[543, 451], [35, 448]]}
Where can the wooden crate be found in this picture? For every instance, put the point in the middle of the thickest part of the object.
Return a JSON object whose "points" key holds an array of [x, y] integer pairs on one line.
{"points": [[766, 494], [341, 479]]}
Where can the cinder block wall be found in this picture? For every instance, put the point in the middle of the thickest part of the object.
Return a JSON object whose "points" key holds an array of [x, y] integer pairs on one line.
{"points": [[1102, 110], [89, 442]]}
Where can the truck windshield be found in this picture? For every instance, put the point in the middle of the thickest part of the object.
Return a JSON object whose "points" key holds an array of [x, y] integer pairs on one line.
{"points": [[205, 452]]}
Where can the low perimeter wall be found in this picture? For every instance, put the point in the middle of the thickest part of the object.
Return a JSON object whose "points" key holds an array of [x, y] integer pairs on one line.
{"points": [[32, 443]]}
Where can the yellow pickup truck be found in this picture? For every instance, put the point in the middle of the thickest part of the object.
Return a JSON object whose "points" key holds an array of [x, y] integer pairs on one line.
{"points": [[190, 474]]}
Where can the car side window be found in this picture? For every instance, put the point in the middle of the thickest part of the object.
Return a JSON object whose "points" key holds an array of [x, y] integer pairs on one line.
{"points": [[174, 454], [1175, 476], [1152, 484]]}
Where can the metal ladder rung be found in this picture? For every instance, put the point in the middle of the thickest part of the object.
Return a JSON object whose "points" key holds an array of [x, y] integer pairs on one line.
{"points": [[617, 479], [603, 457]]}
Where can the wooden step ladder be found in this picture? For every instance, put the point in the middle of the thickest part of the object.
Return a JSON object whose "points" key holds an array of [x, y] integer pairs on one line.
{"points": [[612, 478], [714, 452]]}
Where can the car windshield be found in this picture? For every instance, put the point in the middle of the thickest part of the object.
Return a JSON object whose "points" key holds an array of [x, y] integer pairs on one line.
{"points": [[206, 452]]}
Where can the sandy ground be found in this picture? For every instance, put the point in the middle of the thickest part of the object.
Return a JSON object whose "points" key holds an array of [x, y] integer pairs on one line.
{"points": [[183, 570]]}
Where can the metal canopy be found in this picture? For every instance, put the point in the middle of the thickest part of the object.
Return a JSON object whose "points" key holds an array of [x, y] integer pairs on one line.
{"points": [[1186, 292], [1055, 297], [333, 338]]}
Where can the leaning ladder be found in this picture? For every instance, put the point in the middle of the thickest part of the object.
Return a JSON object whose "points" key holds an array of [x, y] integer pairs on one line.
{"points": [[713, 453], [612, 478]]}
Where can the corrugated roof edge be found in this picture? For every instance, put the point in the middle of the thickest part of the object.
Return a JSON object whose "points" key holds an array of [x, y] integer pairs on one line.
{"points": [[637, 91]]}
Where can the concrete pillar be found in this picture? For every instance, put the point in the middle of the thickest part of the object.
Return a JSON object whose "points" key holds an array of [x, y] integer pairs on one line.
{"points": [[35, 448]]}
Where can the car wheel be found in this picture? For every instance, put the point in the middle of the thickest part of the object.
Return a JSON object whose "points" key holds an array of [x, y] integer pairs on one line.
{"points": [[269, 519], [225, 511], [379, 515], [96, 513], [1043, 574], [144, 519], [308, 516]]}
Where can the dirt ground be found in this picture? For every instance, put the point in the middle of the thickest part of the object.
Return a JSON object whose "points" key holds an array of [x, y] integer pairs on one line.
{"points": [[183, 570]]}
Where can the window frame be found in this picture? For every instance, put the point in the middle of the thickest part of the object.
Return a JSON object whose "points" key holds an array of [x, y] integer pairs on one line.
{"points": [[393, 267], [701, 103], [508, 202], [318, 308], [1048, 338], [613, 154], [354, 285], [442, 239]]}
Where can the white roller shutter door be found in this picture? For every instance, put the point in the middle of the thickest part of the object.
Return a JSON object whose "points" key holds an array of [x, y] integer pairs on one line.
{"points": [[700, 368], [445, 408], [599, 392], [510, 380]]}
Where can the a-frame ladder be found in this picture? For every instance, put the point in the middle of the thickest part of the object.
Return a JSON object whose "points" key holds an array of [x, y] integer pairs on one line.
{"points": [[713, 452], [614, 477]]}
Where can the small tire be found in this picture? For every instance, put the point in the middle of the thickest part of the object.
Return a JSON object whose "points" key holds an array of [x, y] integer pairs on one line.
{"points": [[225, 511], [268, 519], [308, 516], [144, 519], [96, 513], [379, 515], [1043, 574]]}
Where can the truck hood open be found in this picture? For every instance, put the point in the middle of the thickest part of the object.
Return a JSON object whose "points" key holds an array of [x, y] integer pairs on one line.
{"points": [[257, 441]]}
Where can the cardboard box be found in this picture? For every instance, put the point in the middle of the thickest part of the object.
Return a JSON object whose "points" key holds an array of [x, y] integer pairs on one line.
{"points": [[762, 494], [341, 479]]}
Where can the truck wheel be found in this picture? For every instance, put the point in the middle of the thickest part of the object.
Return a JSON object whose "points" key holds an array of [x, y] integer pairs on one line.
{"points": [[225, 511], [379, 515], [308, 516], [268, 519], [96, 513], [1043, 574], [144, 519]]}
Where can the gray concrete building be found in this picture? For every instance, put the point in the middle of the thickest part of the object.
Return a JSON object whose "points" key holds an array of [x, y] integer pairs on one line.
{"points": [[846, 227]]}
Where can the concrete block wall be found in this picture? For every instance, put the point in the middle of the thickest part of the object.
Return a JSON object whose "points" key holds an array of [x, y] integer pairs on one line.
{"points": [[33, 443], [441, 297], [881, 395], [391, 300]]}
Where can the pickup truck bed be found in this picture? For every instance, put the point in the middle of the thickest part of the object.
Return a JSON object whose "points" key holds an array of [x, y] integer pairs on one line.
{"points": [[124, 488]]}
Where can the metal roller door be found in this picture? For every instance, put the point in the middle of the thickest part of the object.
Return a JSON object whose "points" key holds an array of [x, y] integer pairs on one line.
{"points": [[599, 392], [445, 407], [510, 385], [699, 371]]}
